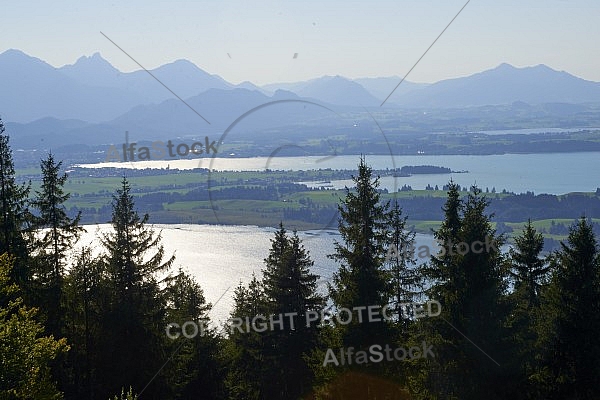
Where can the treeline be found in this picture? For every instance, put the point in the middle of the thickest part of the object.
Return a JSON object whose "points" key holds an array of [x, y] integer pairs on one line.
{"points": [[424, 169], [506, 207], [156, 201], [118, 322]]}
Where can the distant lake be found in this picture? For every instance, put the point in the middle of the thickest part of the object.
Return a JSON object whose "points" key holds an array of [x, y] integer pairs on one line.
{"points": [[552, 173], [529, 131]]}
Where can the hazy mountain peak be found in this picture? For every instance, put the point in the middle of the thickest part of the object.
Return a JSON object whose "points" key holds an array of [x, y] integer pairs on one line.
{"points": [[506, 84], [545, 69], [250, 86], [96, 57], [182, 62], [284, 94], [15, 56], [95, 61], [181, 65], [92, 70], [187, 79], [337, 90], [505, 67], [14, 53], [330, 78], [508, 68]]}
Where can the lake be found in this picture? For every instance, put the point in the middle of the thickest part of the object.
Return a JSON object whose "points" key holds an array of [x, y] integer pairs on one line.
{"points": [[552, 173], [220, 257]]}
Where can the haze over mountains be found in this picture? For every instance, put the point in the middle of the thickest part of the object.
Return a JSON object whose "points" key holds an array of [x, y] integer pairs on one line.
{"points": [[93, 100]]}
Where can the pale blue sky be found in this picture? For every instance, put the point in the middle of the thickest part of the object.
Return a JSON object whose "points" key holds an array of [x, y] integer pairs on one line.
{"points": [[349, 38]]}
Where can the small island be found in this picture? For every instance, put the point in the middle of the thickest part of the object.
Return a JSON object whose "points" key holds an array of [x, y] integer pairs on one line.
{"points": [[409, 170]]}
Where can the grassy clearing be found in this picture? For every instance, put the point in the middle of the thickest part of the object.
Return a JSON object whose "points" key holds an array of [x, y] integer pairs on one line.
{"points": [[425, 226]]}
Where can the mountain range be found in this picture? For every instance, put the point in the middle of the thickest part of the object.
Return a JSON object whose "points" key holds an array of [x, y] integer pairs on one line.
{"points": [[91, 100]]}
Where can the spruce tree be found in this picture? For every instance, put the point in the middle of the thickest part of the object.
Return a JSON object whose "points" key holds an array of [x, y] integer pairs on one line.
{"points": [[290, 291], [61, 232], [529, 272], [134, 339], [14, 216], [245, 346], [127, 247], [483, 305], [570, 320], [86, 297], [444, 276], [443, 265], [400, 259], [361, 279], [195, 366], [468, 278]]}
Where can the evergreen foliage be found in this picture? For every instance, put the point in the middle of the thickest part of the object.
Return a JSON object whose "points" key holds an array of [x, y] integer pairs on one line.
{"points": [[15, 219], [568, 350], [406, 284], [470, 285], [196, 364], [513, 324], [131, 344], [25, 355], [245, 347], [361, 279], [529, 273], [290, 293], [59, 234]]}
